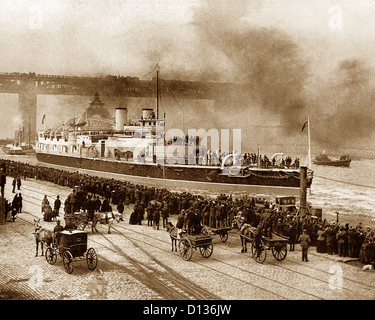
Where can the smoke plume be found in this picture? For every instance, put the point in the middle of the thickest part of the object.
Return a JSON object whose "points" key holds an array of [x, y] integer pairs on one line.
{"points": [[349, 97], [267, 61]]}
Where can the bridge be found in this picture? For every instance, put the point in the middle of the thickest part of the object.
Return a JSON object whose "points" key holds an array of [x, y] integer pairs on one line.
{"points": [[29, 85]]}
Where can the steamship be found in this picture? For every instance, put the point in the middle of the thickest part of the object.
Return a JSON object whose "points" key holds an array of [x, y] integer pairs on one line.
{"points": [[138, 151]]}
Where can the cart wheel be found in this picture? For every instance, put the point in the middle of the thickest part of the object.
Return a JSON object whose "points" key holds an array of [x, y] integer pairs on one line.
{"points": [[206, 251], [280, 251], [258, 255], [224, 236], [51, 256], [68, 262], [186, 249], [91, 259]]}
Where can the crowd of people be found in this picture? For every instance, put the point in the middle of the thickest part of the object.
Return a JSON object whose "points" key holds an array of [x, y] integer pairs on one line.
{"points": [[155, 204]]}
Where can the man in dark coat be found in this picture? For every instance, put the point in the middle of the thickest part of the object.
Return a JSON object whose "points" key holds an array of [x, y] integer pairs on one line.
{"points": [[14, 185], [156, 217], [304, 239], [190, 221], [180, 223], [165, 214], [57, 205], [120, 209], [90, 207]]}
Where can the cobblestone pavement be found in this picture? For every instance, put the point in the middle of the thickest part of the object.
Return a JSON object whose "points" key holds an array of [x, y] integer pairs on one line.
{"points": [[136, 263]]}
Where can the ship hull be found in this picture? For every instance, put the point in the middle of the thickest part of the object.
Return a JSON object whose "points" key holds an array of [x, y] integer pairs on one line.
{"points": [[200, 177], [333, 163]]}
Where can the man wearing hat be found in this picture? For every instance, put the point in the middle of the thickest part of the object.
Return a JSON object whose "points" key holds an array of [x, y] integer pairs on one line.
{"points": [[305, 240], [180, 223]]}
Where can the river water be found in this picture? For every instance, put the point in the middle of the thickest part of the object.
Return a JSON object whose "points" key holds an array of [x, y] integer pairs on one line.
{"points": [[349, 191]]}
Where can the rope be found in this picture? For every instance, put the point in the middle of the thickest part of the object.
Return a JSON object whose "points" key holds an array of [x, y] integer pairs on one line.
{"points": [[171, 93], [149, 85], [345, 182]]}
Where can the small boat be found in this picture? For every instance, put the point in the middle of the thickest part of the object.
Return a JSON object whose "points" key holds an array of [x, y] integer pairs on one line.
{"points": [[12, 150], [18, 150], [324, 160]]}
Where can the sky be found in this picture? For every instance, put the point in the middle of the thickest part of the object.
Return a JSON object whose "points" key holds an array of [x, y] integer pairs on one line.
{"points": [[317, 53], [118, 36]]}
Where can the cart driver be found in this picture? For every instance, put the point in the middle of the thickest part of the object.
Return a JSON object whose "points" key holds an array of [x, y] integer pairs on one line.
{"points": [[56, 232]]}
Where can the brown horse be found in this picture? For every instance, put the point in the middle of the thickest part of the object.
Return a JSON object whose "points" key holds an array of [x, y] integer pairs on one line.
{"points": [[244, 230], [42, 236]]}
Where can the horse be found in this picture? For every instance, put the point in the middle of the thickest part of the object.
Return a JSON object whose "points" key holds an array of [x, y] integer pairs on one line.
{"points": [[104, 218], [42, 236], [172, 230], [244, 229]]}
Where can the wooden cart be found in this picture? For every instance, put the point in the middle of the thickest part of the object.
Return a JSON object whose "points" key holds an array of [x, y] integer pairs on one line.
{"points": [[188, 242], [222, 232], [278, 245], [79, 219]]}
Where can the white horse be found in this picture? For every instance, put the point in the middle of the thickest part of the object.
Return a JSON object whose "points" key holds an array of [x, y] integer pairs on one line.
{"points": [[105, 218], [42, 236]]}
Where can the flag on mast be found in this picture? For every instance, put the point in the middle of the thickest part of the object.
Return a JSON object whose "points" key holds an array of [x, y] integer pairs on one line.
{"points": [[304, 125]]}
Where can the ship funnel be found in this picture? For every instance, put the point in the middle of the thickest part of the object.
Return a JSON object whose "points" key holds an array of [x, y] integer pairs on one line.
{"points": [[121, 118], [147, 114]]}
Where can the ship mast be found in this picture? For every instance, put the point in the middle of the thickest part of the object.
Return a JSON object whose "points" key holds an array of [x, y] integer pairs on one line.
{"points": [[157, 90], [308, 137]]}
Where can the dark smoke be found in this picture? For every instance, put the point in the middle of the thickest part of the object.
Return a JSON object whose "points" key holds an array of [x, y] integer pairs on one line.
{"points": [[351, 96], [266, 60]]}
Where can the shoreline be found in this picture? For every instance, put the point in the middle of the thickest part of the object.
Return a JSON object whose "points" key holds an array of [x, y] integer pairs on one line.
{"points": [[353, 220]]}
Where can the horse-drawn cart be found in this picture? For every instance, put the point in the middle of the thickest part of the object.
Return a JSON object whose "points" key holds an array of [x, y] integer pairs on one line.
{"points": [[276, 243], [78, 219], [189, 242], [222, 232], [72, 244]]}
